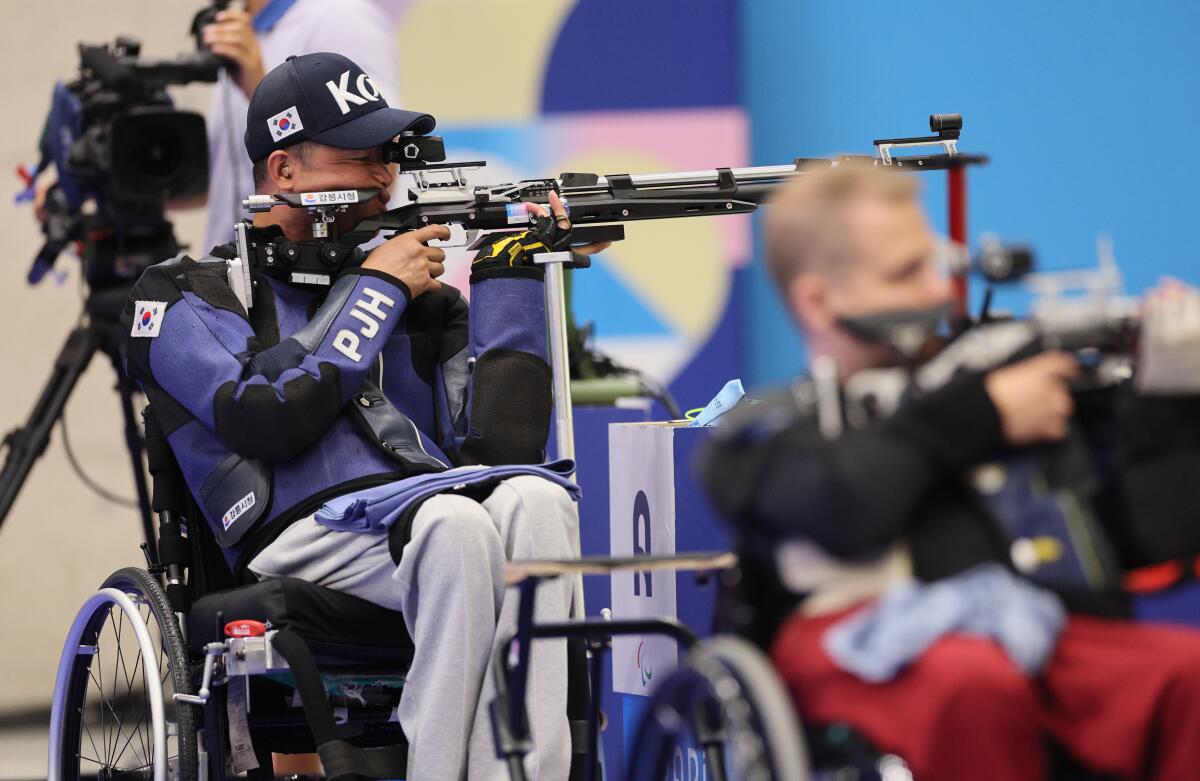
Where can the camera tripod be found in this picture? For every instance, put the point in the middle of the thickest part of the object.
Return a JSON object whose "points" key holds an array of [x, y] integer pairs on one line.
{"points": [[113, 254]]}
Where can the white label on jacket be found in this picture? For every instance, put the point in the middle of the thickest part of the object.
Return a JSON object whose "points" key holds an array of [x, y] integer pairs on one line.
{"points": [[235, 512], [147, 317]]}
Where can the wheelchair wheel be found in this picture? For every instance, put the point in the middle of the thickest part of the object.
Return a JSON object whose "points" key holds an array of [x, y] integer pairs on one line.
{"points": [[113, 715], [724, 706]]}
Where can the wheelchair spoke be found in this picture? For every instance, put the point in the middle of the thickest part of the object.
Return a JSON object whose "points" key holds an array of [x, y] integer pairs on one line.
{"points": [[94, 666], [97, 668], [145, 700], [137, 754], [143, 749], [83, 721], [109, 744], [112, 707], [116, 747], [129, 740], [146, 740], [127, 704]]}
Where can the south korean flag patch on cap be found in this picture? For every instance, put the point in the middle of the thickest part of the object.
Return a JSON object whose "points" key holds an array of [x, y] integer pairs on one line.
{"points": [[285, 123], [148, 317]]}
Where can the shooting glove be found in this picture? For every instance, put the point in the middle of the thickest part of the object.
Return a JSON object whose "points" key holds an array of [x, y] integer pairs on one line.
{"points": [[1169, 354], [513, 250]]}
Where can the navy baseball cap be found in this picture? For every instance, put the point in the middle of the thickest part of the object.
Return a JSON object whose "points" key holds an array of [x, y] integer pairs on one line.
{"points": [[325, 98]]}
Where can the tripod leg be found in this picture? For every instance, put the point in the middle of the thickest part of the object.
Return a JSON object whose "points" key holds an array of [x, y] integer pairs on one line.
{"points": [[27, 443], [136, 445]]}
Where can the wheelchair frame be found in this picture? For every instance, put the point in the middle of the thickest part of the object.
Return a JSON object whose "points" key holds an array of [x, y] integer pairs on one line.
{"points": [[166, 589]]}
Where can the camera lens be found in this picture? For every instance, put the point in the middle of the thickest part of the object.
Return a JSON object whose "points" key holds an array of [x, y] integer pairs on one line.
{"points": [[160, 156], [158, 153]]}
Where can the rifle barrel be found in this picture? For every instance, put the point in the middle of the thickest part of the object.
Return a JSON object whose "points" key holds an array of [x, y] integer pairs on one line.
{"points": [[709, 178]]}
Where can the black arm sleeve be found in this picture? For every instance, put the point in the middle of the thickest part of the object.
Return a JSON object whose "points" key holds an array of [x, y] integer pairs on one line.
{"points": [[770, 469]]}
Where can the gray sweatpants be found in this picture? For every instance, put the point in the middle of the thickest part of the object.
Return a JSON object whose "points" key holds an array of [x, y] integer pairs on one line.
{"points": [[450, 587]]}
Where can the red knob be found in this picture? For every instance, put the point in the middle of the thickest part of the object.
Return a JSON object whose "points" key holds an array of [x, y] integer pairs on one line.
{"points": [[245, 628]]}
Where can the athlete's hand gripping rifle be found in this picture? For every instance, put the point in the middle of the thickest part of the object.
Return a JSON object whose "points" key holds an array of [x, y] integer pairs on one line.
{"points": [[1040, 497], [1081, 311]]}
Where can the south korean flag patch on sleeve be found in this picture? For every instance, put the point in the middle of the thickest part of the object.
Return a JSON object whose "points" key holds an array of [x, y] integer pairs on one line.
{"points": [[285, 123], [148, 317]]}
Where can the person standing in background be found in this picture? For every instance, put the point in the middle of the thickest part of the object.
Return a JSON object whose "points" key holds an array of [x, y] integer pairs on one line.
{"points": [[254, 41]]}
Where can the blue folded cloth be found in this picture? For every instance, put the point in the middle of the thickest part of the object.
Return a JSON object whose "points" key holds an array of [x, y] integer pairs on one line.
{"points": [[729, 397], [876, 643], [377, 508]]}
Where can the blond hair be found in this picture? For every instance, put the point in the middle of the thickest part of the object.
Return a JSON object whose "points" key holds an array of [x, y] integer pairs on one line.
{"points": [[806, 227]]}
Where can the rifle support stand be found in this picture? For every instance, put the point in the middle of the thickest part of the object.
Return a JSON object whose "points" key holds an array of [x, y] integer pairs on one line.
{"points": [[560, 370], [556, 320]]}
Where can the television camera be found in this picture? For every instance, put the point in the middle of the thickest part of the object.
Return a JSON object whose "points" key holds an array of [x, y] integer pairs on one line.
{"points": [[121, 150]]}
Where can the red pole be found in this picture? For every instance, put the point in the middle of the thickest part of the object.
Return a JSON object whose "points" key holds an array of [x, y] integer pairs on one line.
{"points": [[957, 199]]}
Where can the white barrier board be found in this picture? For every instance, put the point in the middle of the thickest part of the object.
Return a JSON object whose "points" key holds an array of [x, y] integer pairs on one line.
{"points": [[642, 522]]}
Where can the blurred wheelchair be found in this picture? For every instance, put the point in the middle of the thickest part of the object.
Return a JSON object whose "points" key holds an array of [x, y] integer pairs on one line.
{"points": [[724, 699]]}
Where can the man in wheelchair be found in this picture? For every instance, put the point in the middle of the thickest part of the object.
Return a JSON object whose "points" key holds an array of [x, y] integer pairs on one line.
{"points": [[366, 434], [956, 556]]}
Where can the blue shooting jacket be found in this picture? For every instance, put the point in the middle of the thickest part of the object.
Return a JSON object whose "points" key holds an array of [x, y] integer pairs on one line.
{"points": [[319, 393]]}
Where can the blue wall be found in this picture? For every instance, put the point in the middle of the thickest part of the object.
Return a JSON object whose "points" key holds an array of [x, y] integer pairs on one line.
{"points": [[1088, 111]]}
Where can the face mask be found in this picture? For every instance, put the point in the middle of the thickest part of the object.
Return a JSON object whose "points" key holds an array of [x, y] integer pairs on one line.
{"points": [[907, 331]]}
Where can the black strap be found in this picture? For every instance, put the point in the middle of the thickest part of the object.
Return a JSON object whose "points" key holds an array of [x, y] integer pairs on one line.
{"points": [[341, 760], [308, 682], [344, 762], [264, 316], [173, 547], [167, 479]]}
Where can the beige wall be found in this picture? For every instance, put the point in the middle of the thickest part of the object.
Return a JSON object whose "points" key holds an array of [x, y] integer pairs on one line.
{"points": [[60, 540]]}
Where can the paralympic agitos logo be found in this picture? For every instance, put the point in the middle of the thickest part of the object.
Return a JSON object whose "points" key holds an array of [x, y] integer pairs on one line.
{"points": [[643, 664]]}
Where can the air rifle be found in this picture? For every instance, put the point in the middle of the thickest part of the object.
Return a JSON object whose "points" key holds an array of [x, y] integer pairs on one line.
{"points": [[598, 204]]}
